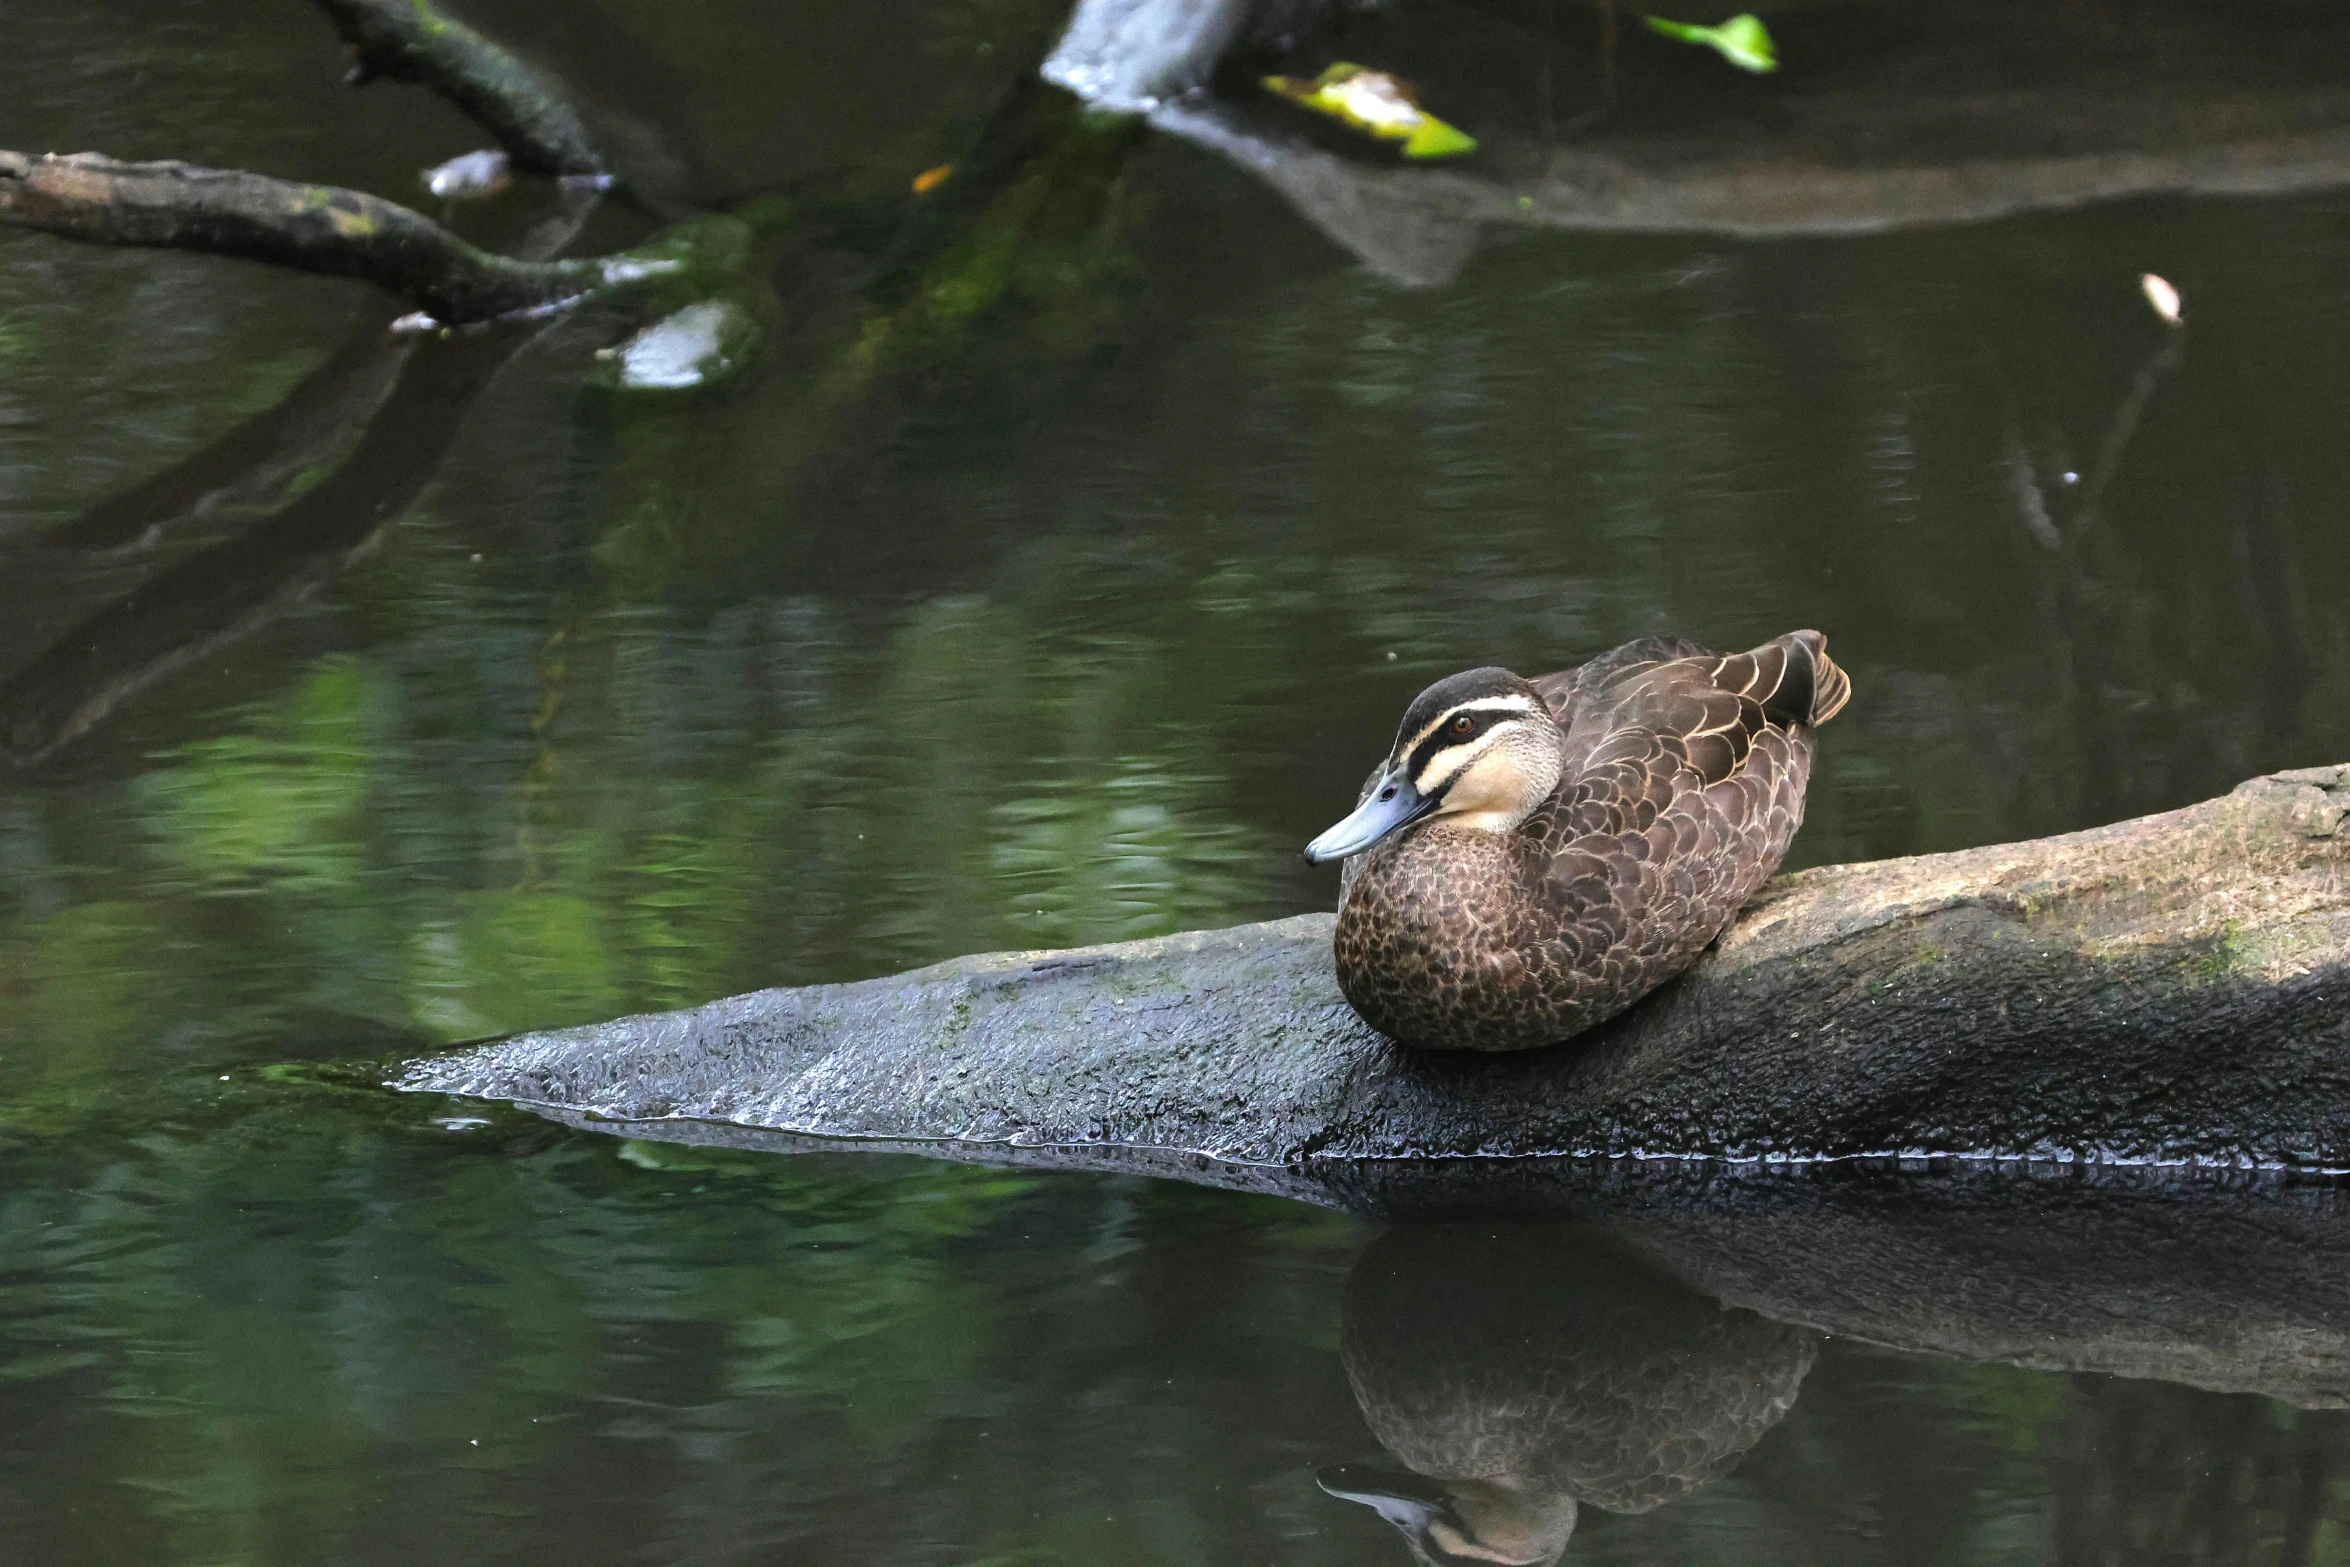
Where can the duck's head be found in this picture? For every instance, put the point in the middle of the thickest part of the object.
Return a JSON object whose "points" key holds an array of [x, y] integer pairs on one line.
{"points": [[1479, 750], [1461, 1523]]}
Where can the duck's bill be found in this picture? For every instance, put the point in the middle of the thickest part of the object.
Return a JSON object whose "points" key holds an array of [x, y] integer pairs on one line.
{"points": [[1417, 1506], [1405, 1500], [1393, 804]]}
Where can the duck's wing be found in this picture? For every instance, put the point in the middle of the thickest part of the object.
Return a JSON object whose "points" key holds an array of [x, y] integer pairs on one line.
{"points": [[1562, 690], [1684, 787], [1648, 729], [1792, 678]]}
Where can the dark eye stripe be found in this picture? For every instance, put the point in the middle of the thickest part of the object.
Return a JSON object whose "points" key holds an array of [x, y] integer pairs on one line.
{"points": [[1447, 736]]}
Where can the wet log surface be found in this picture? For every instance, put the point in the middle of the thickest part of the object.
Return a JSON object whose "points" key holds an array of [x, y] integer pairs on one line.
{"points": [[2170, 989]]}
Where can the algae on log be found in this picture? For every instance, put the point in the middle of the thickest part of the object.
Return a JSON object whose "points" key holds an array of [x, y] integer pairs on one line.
{"points": [[2168, 989]]}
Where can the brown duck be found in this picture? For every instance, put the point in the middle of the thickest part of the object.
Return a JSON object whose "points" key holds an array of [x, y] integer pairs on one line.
{"points": [[1536, 855]]}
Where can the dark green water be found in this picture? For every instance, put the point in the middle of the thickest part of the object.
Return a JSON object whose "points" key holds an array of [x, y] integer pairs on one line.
{"points": [[1069, 623]]}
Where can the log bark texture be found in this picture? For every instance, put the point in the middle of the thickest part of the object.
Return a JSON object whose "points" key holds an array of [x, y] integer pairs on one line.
{"points": [[2174, 989], [314, 228]]}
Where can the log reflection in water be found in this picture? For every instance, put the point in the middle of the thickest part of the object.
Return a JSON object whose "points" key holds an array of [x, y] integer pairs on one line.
{"points": [[257, 464], [1520, 1372], [1888, 117], [232, 589]]}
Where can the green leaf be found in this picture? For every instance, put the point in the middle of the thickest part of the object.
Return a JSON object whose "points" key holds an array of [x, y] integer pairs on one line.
{"points": [[1377, 104], [1742, 40], [1435, 139]]}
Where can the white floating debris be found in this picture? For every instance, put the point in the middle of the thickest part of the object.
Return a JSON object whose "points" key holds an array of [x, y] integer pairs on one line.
{"points": [[2163, 297], [694, 347], [638, 269], [471, 176]]}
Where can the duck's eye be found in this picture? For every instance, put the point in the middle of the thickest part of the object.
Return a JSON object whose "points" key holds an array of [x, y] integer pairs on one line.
{"points": [[1463, 724]]}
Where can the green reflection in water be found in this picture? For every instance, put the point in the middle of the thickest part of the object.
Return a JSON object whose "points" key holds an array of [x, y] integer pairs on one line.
{"points": [[972, 783]]}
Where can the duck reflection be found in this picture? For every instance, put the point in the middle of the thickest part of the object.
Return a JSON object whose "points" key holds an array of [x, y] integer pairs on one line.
{"points": [[1522, 1373]]}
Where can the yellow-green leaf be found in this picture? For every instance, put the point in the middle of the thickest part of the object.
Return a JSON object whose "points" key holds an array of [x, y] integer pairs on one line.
{"points": [[1742, 40], [1376, 103]]}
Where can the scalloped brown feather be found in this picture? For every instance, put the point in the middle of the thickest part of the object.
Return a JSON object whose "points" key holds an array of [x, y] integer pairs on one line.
{"points": [[1683, 787]]}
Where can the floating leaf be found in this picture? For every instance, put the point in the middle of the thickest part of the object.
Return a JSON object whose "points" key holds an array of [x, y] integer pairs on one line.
{"points": [[1378, 103], [1742, 40]]}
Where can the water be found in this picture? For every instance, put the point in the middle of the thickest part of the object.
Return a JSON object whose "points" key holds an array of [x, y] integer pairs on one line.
{"points": [[1070, 622]]}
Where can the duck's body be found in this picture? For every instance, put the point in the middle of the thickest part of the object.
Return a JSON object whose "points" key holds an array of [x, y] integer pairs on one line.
{"points": [[1546, 852]]}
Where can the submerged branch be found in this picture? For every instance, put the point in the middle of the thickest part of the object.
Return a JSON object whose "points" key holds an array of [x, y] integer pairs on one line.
{"points": [[413, 41], [312, 228]]}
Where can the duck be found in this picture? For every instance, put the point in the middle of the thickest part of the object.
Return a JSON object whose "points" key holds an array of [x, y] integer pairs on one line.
{"points": [[1534, 856]]}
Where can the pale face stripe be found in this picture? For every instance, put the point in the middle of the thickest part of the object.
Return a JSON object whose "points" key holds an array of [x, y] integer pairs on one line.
{"points": [[1447, 765], [1483, 704]]}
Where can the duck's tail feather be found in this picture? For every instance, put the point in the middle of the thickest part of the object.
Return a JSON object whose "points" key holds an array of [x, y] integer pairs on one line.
{"points": [[1812, 687]]}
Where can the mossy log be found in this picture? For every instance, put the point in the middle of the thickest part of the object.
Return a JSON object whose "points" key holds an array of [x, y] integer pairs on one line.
{"points": [[2173, 990], [313, 228]]}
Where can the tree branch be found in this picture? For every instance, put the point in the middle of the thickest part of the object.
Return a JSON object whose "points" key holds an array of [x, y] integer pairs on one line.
{"points": [[313, 228], [413, 41]]}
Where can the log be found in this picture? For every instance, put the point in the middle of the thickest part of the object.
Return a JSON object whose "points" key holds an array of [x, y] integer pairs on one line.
{"points": [[313, 228], [2169, 990]]}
